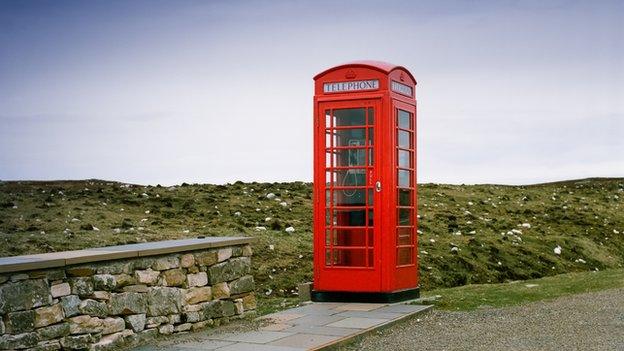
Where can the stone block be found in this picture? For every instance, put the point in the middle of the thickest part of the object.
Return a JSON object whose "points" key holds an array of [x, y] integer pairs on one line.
{"points": [[164, 301], [249, 302], [82, 271], [237, 251], [217, 309], [78, 342], [174, 277], [47, 345], [19, 341], [152, 322], [207, 258], [142, 263], [124, 279], [81, 286], [149, 277], [197, 279], [70, 305], [238, 306], [202, 325], [305, 291], [193, 317], [93, 308], [136, 322], [114, 267], [50, 274], [166, 329], [167, 262], [85, 324], [198, 294], [187, 260], [175, 319], [229, 270], [247, 251], [224, 254], [45, 316], [137, 288], [19, 277], [113, 325], [183, 327], [127, 303], [59, 290], [241, 285], [220, 291], [101, 295], [54, 331], [20, 322], [24, 295], [106, 282]]}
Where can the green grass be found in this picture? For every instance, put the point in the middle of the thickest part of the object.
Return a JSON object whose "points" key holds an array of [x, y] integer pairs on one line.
{"points": [[470, 297], [584, 217]]}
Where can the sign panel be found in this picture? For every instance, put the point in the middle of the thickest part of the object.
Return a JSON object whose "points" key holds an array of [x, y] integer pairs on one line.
{"points": [[402, 89], [355, 85]]}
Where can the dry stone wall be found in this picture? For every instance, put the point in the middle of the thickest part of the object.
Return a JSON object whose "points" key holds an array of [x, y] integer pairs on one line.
{"points": [[120, 303]]}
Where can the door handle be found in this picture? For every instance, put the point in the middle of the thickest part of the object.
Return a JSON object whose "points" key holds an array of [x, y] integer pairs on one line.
{"points": [[378, 186]]}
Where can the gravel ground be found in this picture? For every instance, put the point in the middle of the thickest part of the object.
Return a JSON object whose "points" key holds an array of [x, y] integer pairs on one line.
{"points": [[593, 321]]}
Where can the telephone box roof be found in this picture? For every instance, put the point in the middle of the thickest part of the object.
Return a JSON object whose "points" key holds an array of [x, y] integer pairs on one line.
{"points": [[382, 66]]}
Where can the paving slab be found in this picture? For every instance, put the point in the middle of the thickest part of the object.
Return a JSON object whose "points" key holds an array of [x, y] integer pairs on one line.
{"points": [[315, 326], [359, 306], [305, 341], [242, 346], [256, 337], [358, 322]]}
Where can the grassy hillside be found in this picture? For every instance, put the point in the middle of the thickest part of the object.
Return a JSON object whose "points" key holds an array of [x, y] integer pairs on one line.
{"points": [[501, 232]]}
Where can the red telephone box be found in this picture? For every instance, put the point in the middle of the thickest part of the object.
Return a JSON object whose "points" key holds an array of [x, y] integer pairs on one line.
{"points": [[365, 241]]}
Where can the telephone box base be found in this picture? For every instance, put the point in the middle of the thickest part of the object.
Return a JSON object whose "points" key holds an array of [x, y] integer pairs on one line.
{"points": [[344, 296]]}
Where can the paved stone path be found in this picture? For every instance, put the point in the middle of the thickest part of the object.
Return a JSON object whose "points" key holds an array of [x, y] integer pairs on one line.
{"points": [[309, 327]]}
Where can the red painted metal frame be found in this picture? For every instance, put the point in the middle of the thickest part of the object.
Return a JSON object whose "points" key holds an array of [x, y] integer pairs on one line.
{"points": [[384, 275]]}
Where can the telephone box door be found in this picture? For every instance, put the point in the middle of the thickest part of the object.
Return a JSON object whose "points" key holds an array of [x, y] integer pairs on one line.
{"points": [[348, 197]]}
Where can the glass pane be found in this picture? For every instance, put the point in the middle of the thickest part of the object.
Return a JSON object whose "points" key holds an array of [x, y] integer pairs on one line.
{"points": [[350, 117], [371, 135], [370, 218], [405, 159], [370, 157], [328, 217], [350, 177], [327, 198], [350, 237], [405, 178], [405, 197], [327, 119], [350, 197], [405, 139], [350, 157], [327, 237], [349, 257], [404, 119], [350, 137], [404, 256], [353, 218], [405, 217], [371, 258], [371, 197], [327, 138], [404, 236], [371, 239], [328, 261], [371, 116]]}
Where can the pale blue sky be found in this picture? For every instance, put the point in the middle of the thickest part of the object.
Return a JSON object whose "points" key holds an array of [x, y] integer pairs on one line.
{"points": [[206, 91]]}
